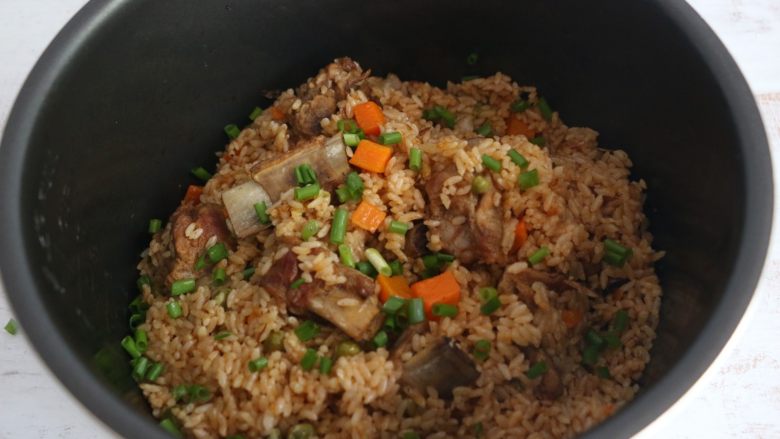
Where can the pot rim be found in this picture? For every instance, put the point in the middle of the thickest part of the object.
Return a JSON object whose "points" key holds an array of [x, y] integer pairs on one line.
{"points": [[64, 363]]}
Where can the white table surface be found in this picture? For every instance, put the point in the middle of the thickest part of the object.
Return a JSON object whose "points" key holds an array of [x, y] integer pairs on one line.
{"points": [[739, 396]]}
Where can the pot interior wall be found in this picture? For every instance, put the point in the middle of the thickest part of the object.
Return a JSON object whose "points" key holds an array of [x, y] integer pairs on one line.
{"points": [[144, 99]]}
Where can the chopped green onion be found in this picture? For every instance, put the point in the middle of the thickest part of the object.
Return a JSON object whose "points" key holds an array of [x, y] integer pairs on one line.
{"points": [[390, 138], [310, 229], [520, 105], [415, 311], [275, 434], [345, 255], [354, 185], [431, 261], [220, 297], [444, 310], [261, 209], [491, 163], [393, 305], [198, 393], [218, 275], [139, 368], [539, 141], [415, 159], [309, 359], [248, 273], [305, 175], [528, 179], [326, 364], [201, 173], [182, 286], [410, 435], [613, 340], [297, 283], [396, 267], [603, 372], [179, 392], [274, 342], [347, 126], [445, 116], [379, 263], [444, 257], [256, 112], [154, 371], [307, 192], [168, 425], [129, 344], [480, 185], [232, 130], [485, 130], [11, 327], [347, 348], [174, 309], [615, 253], [141, 340], [217, 252], [539, 255], [482, 350], [301, 431], [200, 264], [545, 110], [154, 225], [490, 306], [380, 339], [487, 293], [591, 355], [136, 320], [619, 321], [258, 364], [221, 335], [431, 114], [518, 158], [338, 230], [472, 58], [307, 330], [537, 370], [593, 338], [343, 194], [351, 139], [398, 227], [366, 268], [143, 280]]}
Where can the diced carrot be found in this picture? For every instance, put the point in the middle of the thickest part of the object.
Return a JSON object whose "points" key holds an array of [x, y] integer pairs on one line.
{"points": [[571, 317], [443, 288], [368, 217], [371, 156], [393, 286], [277, 114], [369, 117], [515, 127], [193, 194], [521, 234]]}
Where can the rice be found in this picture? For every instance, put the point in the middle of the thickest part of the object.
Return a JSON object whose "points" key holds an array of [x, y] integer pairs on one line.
{"points": [[584, 194]]}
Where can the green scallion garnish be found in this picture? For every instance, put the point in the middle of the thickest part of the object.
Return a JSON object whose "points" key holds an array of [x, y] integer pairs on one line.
{"points": [[201, 173], [444, 310], [398, 227], [379, 263], [307, 192], [345, 255], [155, 225], [415, 159], [538, 369], [393, 305], [482, 350], [351, 139], [310, 229], [261, 209], [258, 364], [232, 130], [128, 343], [307, 330], [520, 105], [338, 230], [309, 359], [485, 130], [518, 158], [390, 138], [305, 175], [354, 185], [490, 306], [615, 253], [11, 327], [539, 141], [169, 425], [544, 109], [491, 163], [539, 255], [326, 364], [415, 311], [256, 112], [174, 309], [397, 267], [528, 179], [218, 275], [248, 273], [380, 339], [297, 283], [154, 371], [217, 252]]}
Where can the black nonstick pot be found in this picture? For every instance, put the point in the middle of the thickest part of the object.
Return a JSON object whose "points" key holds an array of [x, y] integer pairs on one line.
{"points": [[132, 94]]}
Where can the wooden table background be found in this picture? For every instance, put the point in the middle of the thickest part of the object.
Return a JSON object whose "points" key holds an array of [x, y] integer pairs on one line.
{"points": [[739, 396]]}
